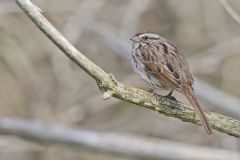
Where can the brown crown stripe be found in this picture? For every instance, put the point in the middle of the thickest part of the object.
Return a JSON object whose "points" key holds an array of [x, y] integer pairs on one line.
{"points": [[137, 34]]}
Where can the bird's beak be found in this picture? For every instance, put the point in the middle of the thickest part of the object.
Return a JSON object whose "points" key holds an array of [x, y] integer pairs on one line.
{"points": [[134, 39]]}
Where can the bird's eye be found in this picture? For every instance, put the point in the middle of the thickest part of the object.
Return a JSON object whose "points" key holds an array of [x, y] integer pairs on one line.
{"points": [[145, 37]]}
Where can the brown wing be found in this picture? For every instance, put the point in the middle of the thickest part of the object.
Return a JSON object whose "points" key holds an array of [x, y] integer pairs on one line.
{"points": [[178, 61], [165, 62]]}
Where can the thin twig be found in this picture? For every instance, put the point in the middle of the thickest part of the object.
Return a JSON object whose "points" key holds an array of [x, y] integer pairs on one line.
{"points": [[230, 10], [122, 144], [110, 86]]}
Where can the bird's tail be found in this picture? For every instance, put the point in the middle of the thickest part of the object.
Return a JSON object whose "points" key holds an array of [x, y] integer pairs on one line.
{"points": [[189, 93]]}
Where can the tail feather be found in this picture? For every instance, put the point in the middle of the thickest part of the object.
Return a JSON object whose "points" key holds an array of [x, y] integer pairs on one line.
{"points": [[189, 93]]}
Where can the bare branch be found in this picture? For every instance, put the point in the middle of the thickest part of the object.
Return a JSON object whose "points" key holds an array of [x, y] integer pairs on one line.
{"points": [[108, 84], [121, 144], [230, 10]]}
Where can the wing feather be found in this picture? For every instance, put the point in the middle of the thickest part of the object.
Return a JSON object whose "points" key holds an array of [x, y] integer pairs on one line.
{"points": [[163, 65]]}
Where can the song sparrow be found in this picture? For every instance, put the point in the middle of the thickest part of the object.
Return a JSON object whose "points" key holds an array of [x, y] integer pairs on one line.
{"points": [[162, 66]]}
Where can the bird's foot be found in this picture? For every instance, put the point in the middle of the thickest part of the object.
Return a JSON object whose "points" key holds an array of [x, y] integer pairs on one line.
{"points": [[169, 96]]}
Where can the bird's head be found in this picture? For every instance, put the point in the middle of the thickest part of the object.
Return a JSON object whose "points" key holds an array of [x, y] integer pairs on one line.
{"points": [[145, 38]]}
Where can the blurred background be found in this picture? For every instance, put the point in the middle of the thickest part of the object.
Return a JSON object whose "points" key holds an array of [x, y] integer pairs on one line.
{"points": [[39, 84]]}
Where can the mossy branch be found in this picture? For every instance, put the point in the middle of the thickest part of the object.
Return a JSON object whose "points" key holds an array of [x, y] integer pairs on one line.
{"points": [[111, 87]]}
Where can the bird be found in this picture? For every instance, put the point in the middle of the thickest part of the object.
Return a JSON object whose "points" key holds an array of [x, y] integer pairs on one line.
{"points": [[163, 66]]}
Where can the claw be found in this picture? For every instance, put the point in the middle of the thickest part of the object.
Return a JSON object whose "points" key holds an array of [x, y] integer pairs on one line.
{"points": [[169, 95], [113, 78]]}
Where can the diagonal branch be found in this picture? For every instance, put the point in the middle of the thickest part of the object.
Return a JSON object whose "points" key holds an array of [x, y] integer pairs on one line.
{"points": [[230, 10], [112, 87]]}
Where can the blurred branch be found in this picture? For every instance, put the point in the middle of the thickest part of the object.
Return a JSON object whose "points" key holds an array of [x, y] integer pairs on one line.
{"points": [[65, 75], [108, 37], [112, 87], [209, 60], [87, 9], [212, 95], [230, 10], [121, 144], [133, 13]]}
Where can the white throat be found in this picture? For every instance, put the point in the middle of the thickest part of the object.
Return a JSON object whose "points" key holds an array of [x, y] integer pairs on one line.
{"points": [[135, 45]]}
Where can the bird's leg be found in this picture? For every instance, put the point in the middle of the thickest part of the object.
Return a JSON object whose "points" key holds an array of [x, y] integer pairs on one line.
{"points": [[151, 90], [194, 115], [169, 95]]}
